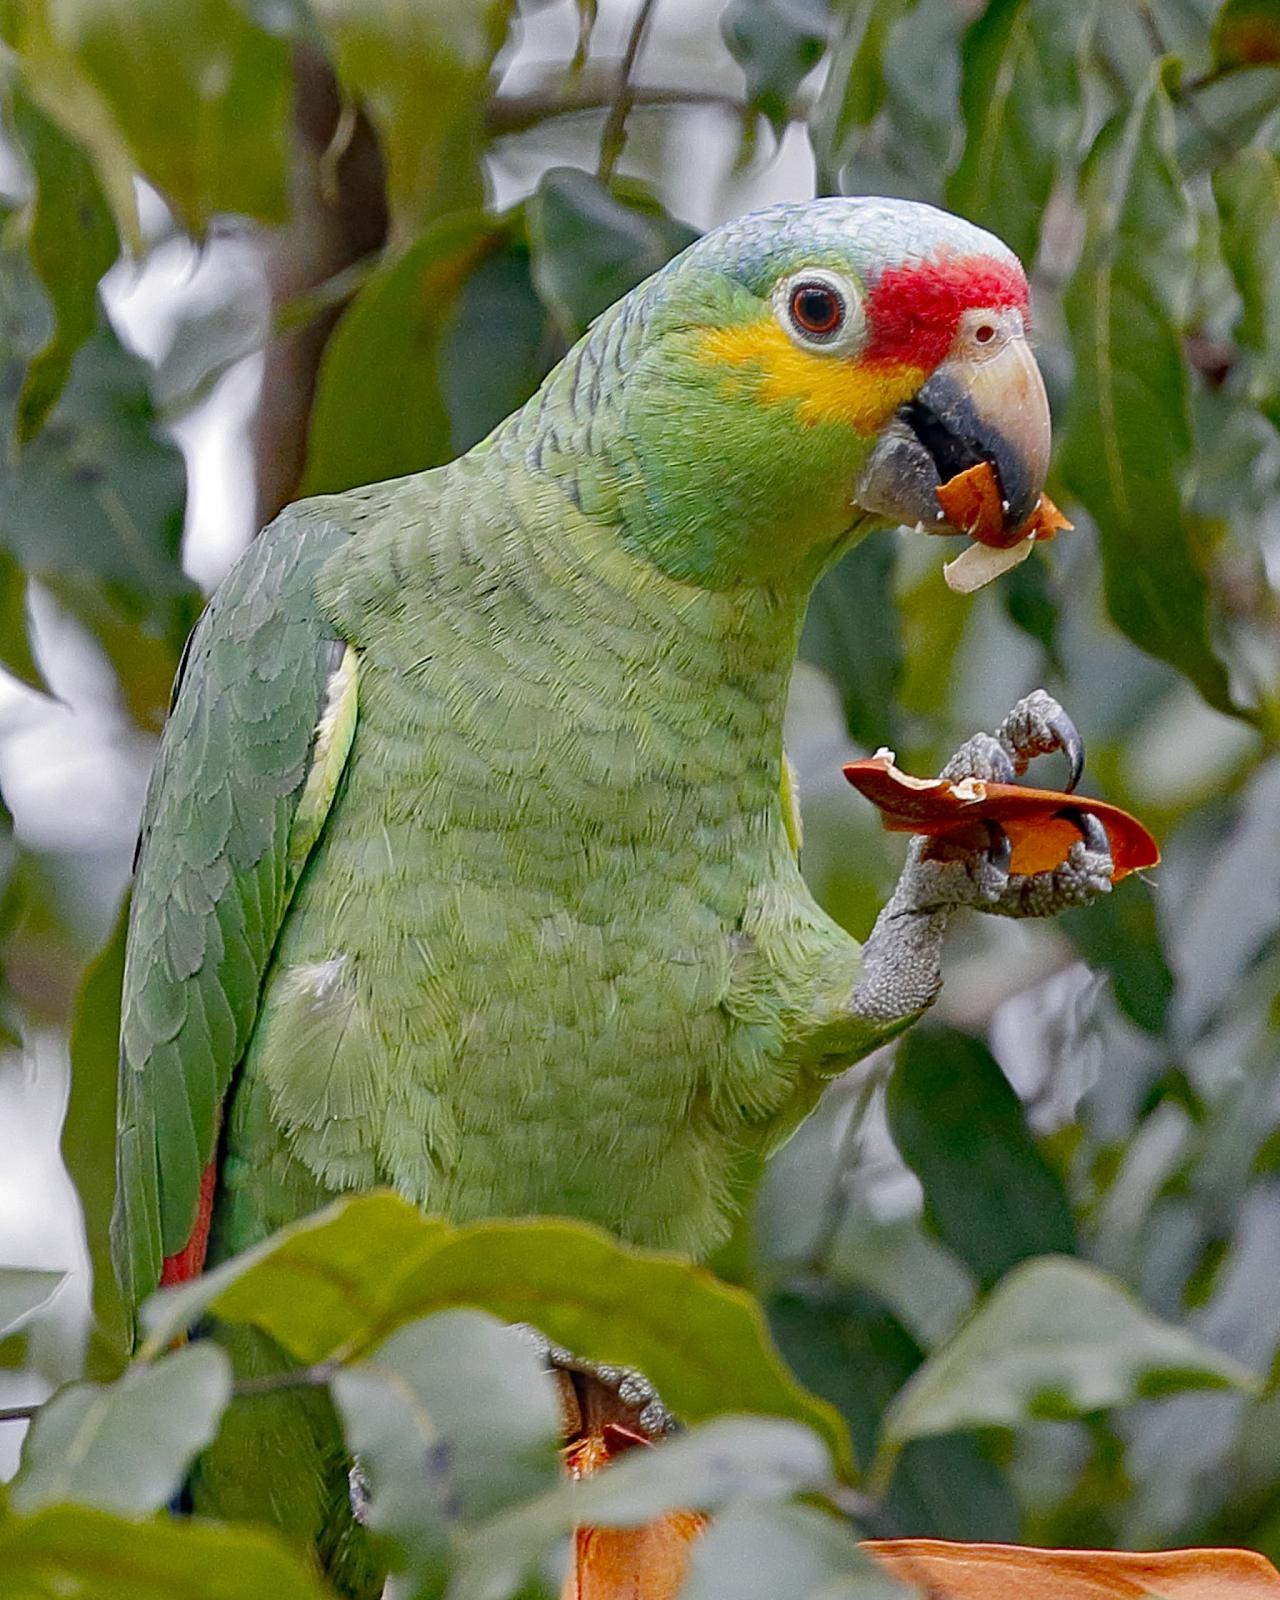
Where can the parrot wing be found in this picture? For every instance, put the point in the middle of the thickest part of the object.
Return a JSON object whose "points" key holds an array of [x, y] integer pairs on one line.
{"points": [[258, 733]]}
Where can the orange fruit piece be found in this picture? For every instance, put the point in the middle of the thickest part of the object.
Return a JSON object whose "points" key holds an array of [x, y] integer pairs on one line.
{"points": [[972, 503], [1040, 834]]}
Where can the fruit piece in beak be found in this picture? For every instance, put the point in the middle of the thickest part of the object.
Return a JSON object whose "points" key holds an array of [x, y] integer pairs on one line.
{"points": [[986, 406]]}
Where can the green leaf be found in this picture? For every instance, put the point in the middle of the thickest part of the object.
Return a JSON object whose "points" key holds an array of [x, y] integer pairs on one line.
{"points": [[23, 1290], [345, 1279], [1128, 446], [72, 241], [783, 1552], [855, 87], [421, 72], [395, 371], [16, 655], [1020, 95], [316, 1288], [1056, 1338], [1032, 605], [72, 1550], [1120, 935], [852, 632], [124, 1446], [200, 94], [844, 1344], [988, 1192], [752, 1459], [590, 246], [58, 84], [97, 497], [777, 43], [89, 1141], [453, 1419], [1247, 33], [1247, 189]]}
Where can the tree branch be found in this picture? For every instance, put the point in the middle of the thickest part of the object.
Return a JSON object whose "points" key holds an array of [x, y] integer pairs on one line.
{"points": [[614, 135]]}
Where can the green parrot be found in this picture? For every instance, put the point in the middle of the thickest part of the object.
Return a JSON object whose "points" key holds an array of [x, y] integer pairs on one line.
{"points": [[469, 863]]}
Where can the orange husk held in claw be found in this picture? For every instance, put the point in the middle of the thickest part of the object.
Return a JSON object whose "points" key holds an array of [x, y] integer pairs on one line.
{"points": [[973, 504], [1040, 836], [1013, 1572], [646, 1563]]}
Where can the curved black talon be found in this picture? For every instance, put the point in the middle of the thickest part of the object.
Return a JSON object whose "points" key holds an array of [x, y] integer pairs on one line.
{"points": [[999, 849], [1091, 830], [1071, 745]]}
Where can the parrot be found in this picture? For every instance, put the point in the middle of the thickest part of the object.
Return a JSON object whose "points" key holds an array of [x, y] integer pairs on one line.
{"points": [[469, 865]]}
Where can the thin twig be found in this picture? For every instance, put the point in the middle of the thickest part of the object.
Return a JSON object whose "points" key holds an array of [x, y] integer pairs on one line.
{"points": [[614, 134], [517, 113], [313, 1377], [835, 1204], [20, 1413]]}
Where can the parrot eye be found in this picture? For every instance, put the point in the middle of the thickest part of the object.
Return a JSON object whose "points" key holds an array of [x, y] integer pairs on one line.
{"points": [[816, 308], [819, 309]]}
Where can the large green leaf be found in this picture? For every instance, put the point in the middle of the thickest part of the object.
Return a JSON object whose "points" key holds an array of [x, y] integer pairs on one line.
{"points": [[1129, 446], [16, 654], [734, 1459], [1247, 33], [783, 1552], [852, 631], [124, 1446], [1121, 936], [393, 366], [59, 85], [590, 246], [72, 241], [1021, 98], [199, 92], [89, 1141], [342, 1281], [453, 1419], [420, 71], [73, 1550], [989, 1194], [23, 1290], [777, 43], [855, 86], [94, 504], [1247, 189], [844, 1344], [1056, 1338]]}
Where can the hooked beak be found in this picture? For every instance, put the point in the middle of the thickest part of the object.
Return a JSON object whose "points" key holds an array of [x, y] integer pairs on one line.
{"points": [[982, 407]]}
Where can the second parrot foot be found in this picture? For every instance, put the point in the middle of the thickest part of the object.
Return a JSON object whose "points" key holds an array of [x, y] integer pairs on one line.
{"points": [[607, 1410], [603, 1401]]}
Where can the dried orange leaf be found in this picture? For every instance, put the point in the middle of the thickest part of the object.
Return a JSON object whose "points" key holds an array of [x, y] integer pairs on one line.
{"points": [[1013, 1572], [1037, 821], [646, 1563]]}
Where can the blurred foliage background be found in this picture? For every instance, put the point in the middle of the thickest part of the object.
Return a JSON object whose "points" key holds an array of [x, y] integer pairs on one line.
{"points": [[251, 249]]}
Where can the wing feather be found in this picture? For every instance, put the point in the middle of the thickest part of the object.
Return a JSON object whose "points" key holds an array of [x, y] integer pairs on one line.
{"points": [[213, 874]]}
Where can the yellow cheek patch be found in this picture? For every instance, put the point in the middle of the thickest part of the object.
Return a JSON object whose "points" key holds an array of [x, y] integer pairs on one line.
{"points": [[824, 388]]}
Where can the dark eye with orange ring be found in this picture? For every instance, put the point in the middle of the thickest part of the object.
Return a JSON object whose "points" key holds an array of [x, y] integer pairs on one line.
{"points": [[817, 310]]}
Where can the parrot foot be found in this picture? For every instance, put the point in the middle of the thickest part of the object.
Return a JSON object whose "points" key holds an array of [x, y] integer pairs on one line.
{"points": [[615, 1404], [902, 959], [596, 1397]]}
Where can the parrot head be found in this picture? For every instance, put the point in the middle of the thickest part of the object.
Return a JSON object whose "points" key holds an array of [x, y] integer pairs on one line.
{"points": [[815, 368]]}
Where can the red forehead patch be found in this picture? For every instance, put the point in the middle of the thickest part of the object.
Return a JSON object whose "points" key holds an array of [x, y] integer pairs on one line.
{"points": [[913, 310]]}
